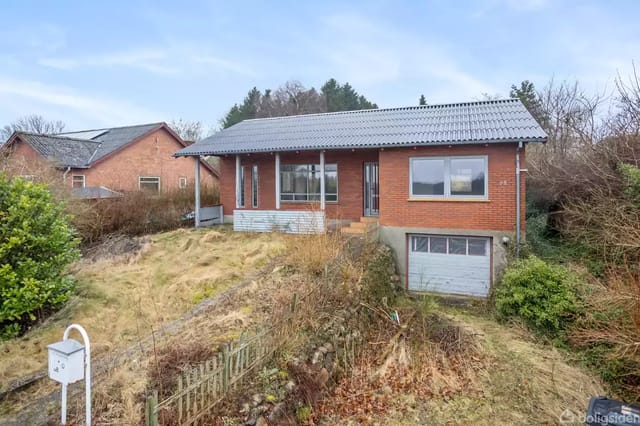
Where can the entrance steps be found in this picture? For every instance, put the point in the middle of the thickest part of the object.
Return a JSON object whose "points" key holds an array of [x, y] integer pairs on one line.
{"points": [[364, 227]]}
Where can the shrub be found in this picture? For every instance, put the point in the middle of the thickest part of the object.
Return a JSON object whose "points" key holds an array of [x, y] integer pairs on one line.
{"points": [[36, 245], [540, 293]]}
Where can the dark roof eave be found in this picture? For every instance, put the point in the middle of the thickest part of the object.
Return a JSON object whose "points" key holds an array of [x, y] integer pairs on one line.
{"points": [[322, 147]]}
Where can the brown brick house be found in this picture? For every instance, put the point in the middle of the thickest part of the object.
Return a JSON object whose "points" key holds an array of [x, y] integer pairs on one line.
{"points": [[443, 182], [103, 162]]}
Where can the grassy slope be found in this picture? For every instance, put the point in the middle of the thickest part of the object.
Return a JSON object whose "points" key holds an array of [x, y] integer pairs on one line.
{"points": [[119, 300]]}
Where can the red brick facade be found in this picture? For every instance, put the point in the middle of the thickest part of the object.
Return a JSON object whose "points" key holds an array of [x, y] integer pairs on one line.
{"points": [[150, 156], [497, 212]]}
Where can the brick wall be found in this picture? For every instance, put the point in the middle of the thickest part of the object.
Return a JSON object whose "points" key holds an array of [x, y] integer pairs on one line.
{"points": [[498, 213], [150, 156], [350, 190]]}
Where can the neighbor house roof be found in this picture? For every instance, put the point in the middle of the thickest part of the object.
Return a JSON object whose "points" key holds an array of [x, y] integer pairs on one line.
{"points": [[81, 149], [463, 123], [63, 151]]}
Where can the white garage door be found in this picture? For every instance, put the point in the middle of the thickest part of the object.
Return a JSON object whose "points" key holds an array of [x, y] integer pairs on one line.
{"points": [[450, 264]]}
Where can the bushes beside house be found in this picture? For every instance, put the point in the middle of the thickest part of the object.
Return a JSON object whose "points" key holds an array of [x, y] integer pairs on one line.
{"points": [[37, 244]]}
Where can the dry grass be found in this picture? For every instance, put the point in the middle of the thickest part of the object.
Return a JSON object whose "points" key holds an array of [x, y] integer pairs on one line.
{"points": [[461, 370], [120, 300]]}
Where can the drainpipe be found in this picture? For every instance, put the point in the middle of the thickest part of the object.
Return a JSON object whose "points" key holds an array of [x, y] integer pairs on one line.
{"points": [[64, 176], [518, 171]]}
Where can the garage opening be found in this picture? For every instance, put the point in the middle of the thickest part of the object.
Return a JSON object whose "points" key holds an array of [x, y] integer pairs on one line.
{"points": [[450, 264]]}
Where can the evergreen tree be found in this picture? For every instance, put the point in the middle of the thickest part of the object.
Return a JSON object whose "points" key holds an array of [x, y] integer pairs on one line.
{"points": [[529, 97], [422, 101], [244, 111]]}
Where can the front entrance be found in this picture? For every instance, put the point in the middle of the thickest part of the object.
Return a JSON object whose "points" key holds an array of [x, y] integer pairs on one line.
{"points": [[371, 189]]}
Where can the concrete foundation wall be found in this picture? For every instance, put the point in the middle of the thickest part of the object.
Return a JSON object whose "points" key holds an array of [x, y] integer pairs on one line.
{"points": [[396, 238]]}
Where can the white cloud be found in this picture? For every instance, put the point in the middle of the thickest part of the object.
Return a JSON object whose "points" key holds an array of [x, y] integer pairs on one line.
{"points": [[93, 109], [369, 53], [171, 59]]}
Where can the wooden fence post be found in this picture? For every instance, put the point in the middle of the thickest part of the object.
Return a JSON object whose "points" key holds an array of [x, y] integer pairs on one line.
{"points": [[294, 303], [151, 414]]}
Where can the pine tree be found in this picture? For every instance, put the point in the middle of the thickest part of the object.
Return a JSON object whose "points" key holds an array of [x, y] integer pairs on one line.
{"points": [[530, 98]]}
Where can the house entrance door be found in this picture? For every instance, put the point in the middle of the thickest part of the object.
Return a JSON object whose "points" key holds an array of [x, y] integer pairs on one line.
{"points": [[371, 189]]}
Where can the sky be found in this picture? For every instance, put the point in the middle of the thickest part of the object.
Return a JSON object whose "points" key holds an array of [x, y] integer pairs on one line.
{"points": [[98, 64]]}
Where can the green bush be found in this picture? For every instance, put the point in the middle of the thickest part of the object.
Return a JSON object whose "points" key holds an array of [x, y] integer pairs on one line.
{"points": [[541, 294], [36, 245]]}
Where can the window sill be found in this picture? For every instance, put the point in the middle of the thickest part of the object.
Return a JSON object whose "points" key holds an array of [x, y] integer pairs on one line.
{"points": [[455, 200]]}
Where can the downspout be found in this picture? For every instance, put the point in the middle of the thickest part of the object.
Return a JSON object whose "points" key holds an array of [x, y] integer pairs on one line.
{"points": [[518, 219], [64, 175]]}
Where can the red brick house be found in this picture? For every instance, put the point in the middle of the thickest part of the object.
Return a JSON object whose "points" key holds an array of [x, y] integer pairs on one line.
{"points": [[443, 182], [104, 162]]}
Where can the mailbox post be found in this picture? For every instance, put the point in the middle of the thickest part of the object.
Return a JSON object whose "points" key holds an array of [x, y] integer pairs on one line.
{"points": [[69, 362]]}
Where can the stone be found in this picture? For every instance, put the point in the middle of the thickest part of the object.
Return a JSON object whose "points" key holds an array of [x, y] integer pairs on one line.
{"points": [[323, 350], [261, 421], [330, 347], [256, 398]]}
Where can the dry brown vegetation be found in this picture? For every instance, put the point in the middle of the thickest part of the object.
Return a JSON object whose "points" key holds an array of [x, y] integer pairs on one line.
{"points": [[121, 299]]}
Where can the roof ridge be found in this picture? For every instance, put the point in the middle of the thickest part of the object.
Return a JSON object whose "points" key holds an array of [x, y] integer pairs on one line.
{"points": [[111, 128], [357, 111], [55, 136]]}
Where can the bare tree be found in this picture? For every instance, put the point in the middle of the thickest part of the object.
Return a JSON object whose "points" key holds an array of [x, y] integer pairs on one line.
{"points": [[31, 123], [292, 98], [189, 131]]}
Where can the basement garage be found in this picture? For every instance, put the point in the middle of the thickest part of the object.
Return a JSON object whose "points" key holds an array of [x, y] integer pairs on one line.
{"points": [[450, 264]]}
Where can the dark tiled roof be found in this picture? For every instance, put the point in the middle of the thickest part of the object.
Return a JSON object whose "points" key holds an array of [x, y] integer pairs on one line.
{"points": [[82, 148], [63, 151], [113, 139], [464, 123]]}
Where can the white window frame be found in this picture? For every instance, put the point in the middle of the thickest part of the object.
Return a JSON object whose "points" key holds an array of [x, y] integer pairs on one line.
{"points": [[284, 195], [182, 182], [413, 245], [447, 177], [149, 177], [84, 180]]}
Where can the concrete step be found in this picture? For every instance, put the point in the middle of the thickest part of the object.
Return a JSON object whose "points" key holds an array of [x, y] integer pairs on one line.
{"points": [[353, 231], [369, 219], [360, 225]]}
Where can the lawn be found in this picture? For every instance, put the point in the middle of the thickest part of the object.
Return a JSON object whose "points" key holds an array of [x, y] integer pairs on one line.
{"points": [[121, 300]]}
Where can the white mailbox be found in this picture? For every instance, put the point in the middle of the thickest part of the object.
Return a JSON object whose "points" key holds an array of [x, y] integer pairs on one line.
{"points": [[66, 361]]}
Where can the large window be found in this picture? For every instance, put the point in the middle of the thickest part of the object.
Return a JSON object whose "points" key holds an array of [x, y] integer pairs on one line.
{"points": [[149, 183], [448, 177], [468, 246], [301, 182], [77, 181]]}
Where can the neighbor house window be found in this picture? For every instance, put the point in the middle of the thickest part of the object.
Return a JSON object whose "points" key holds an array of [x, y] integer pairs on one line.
{"points": [[448, 177], [149, 183], [301, 182], [77, 181], [182, 182], [254, 186]]}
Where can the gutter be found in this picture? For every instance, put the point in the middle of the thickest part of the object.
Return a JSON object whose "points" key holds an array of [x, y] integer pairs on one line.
{"points": [[64, 175], [518, 195]]}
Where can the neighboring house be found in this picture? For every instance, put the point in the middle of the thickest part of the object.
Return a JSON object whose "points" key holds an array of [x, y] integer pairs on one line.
{"points": [[441, 181], [104, 162]]}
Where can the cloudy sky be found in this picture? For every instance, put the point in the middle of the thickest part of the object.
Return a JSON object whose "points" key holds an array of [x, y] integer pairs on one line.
{"points": [[96, 64]]}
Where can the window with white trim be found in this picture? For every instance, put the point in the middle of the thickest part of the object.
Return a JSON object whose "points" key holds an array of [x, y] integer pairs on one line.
{"points": [[182, 182], [149, 183], [301, 182], [448, 177], [77, 181], [465, 246]]}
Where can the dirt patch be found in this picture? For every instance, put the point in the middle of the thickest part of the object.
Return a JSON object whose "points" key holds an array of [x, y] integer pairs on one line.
{"points": [[114, 246]]}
